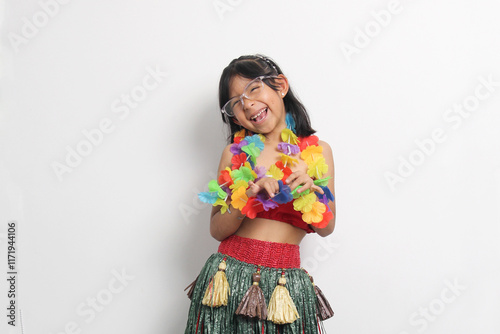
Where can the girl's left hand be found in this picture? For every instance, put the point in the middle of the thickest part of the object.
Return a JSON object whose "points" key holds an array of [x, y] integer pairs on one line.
{"points": [[301, 178]]}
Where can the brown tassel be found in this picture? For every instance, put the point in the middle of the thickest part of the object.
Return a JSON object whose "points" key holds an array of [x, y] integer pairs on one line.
{"points": [[191, 288], [324, 309], [218, 288], [281, 309], [253, 303]]}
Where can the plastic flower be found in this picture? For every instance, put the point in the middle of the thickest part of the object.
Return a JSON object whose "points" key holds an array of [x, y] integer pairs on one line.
{"points": [[251, 208], [238, 136], [327, 216], [275, 172], [238, 160], [260, 172], [290, 121], [223, 205], [284, 195], [248, 165], [317, 168], [239, 198], [244, 173], [235, 148], [226, 189], [295, 194], [233, 181], [238, 184], [304, 203], [225, 177], [286, 170], [252, 151], [316, 213], [251, 167], [208, 197], [307, 141], [267, 203], [289, 137], [328, 193], [214, 187], [322, 198], [256, 140], [322, 182], [288, 160], [288, 149], [312, 153]]}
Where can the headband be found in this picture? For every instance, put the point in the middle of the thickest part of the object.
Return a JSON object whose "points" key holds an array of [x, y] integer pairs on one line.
{"points": [[269, 62]]}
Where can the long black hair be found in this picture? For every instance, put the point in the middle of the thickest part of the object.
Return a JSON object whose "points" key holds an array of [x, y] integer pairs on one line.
{"points": [[251, 67]]}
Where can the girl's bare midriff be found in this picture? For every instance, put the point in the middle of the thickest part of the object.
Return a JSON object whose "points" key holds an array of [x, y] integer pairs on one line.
{"points": [[270, 230]]}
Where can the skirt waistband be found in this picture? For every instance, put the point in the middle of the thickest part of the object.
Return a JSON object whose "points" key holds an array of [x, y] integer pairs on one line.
{"points": [[258, 252]]}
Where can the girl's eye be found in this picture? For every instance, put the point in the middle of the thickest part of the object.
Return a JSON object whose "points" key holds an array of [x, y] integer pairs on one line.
{"points": [[254, 88]]}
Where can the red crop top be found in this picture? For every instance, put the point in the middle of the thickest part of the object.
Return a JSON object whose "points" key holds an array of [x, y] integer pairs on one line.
{"points": [[287, 214]]}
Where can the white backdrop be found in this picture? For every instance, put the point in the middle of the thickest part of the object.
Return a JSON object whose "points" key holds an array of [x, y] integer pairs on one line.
{"points": [[110, 126]]}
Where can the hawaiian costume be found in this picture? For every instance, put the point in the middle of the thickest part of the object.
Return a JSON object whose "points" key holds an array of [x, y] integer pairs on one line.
{"points": [[254, 286]]}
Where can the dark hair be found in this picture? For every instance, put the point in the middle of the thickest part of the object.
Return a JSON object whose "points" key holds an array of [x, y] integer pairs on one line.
{"points": [[251, 67]]}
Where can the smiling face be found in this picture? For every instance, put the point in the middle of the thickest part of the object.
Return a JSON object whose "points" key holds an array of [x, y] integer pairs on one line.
{"points": [[264, 114]]}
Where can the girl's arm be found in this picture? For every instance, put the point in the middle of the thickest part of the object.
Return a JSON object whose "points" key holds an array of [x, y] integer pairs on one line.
{"points": [[328, 155], [224, 225]]}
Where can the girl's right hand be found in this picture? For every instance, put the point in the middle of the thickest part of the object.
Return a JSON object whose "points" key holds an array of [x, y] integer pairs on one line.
{"points": [[268, 183]]}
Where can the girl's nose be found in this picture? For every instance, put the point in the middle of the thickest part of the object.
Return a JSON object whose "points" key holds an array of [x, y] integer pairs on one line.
{"points": [[247, 103]]}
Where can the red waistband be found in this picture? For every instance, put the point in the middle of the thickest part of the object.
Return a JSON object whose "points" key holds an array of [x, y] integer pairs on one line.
{"points": [[265, 253]]}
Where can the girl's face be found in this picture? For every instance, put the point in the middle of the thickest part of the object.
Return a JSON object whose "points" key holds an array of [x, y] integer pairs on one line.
{"points": [[266, 112]]}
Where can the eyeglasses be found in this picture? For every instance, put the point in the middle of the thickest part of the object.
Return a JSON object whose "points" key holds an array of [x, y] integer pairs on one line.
{"points": [[252, 91]]}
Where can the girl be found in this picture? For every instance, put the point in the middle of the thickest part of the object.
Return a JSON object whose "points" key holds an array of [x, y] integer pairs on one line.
{"points": [[275, 185]]}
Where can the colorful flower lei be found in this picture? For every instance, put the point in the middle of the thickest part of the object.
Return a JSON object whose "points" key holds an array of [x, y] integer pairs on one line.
{"points": [[233, 182]]}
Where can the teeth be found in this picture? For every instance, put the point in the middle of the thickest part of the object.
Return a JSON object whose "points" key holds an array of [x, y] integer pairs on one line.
{"points": [[254, 117]]}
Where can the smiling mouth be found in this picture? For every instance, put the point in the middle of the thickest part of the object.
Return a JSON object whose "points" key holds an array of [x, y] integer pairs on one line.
{"points": [[260, 116]]}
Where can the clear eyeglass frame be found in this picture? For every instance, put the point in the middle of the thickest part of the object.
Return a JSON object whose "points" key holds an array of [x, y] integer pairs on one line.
{"points": [[252, 91]]}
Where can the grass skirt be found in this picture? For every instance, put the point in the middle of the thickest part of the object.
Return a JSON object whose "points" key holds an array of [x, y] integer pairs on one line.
{"points": [[243, 256]]}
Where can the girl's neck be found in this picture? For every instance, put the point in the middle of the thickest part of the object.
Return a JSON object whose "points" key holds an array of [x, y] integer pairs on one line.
{"points": [[274, 138]]}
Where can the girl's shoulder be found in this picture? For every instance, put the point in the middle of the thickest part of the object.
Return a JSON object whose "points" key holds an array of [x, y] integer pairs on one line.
{"points": [[324, 144], [327, 149], [227, 151], [226, 156]]}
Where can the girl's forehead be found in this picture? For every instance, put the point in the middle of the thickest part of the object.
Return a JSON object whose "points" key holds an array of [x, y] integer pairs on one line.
{"points": [[237, 84]]}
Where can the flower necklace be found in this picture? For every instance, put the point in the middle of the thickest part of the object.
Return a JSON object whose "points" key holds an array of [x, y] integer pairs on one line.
{"points": [[233, 182]]}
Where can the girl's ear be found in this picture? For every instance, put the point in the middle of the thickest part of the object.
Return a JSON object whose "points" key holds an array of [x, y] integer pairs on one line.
{"points": [[282, 81]]}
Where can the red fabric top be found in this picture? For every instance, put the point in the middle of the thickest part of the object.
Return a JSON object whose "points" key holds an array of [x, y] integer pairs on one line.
{"points": [[287, 214]]}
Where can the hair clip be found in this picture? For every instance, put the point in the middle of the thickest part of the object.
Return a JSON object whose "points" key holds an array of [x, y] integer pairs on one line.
{"points": [[268, 61]]}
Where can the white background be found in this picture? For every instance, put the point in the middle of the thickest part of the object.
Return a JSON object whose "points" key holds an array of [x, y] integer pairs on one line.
{"points": [[129, 205]]}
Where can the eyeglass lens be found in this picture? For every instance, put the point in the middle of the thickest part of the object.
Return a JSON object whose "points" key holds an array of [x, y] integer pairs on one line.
{"points": [[252, 92]]}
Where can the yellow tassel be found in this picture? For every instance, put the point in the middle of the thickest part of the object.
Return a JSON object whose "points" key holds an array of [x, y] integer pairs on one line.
{"points": [[218, 289], [281, 309]]}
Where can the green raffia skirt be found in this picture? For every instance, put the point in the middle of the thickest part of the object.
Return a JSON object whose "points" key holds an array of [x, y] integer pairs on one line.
{"points": [[243, 258]]}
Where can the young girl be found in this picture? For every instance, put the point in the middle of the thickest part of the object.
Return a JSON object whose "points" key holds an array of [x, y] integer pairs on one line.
{"points": [[275, 185]]}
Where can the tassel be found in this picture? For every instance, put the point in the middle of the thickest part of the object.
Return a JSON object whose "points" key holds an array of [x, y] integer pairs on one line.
{"points": [[191, 288], [218, 288], [281, 308], [253, 303], [324, 309]]}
